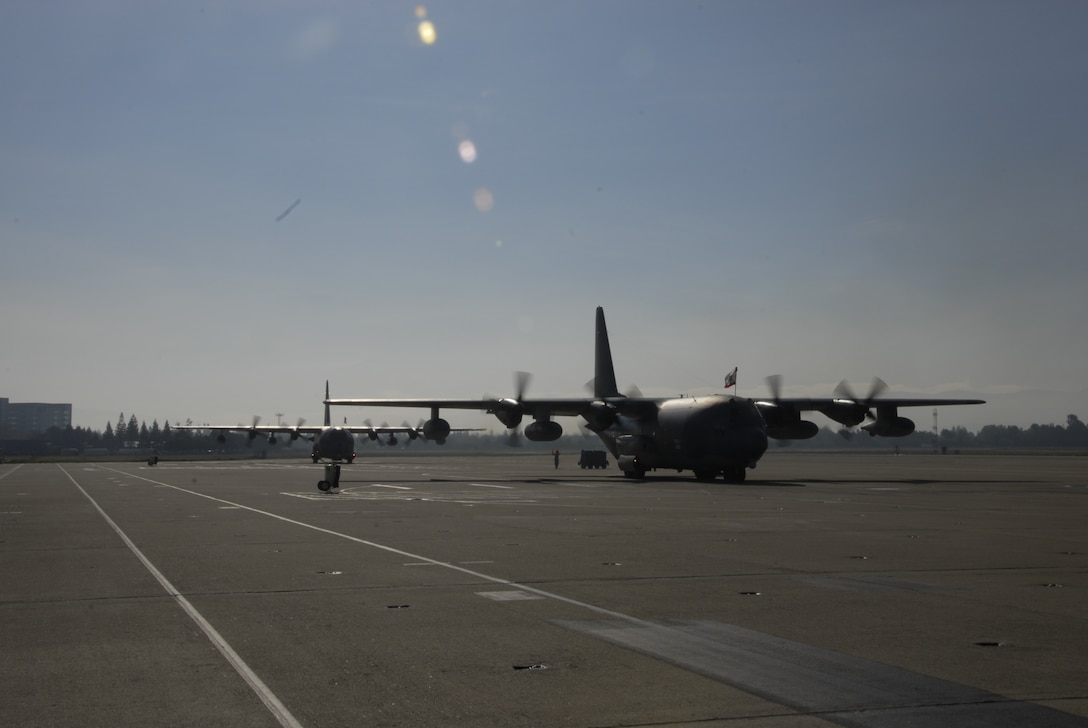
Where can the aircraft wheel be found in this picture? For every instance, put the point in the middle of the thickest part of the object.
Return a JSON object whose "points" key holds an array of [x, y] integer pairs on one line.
{"points": [[736, 475], [323, 486]]}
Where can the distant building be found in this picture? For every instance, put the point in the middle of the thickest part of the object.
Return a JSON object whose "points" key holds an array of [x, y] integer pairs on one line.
{"points": [[20, 419]]}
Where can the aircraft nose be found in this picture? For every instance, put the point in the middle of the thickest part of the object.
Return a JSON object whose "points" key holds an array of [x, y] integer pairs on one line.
{"points": [[752, 441]]}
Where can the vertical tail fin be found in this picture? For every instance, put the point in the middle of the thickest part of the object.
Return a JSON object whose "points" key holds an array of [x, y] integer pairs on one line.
{"points": [[328, 416], [604, 376]]}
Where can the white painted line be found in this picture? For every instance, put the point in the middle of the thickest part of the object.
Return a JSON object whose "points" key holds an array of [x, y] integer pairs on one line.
{"points": [[396, 487], [4, 475], [488, 485], [509, 596], [418, 559], [278, 709]]}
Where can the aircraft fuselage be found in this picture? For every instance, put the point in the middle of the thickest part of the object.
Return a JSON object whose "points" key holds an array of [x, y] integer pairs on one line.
{"points": [[334, 443], [711, 435]]}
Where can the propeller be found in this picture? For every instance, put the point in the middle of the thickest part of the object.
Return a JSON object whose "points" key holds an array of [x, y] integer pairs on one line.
{"points": [[252, 434], [507, 410], [392, 439], [877, 387], [296, 434], [632, 391], [860, 407], [521, 383], [601, 414], [774, 383]]}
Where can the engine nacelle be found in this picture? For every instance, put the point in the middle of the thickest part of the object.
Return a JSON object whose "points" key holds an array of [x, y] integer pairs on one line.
{"points": [[797, 430], [436, 429], [221, 438], [545, 431], [846, 412], [508, 411], [372, 435], [392, 440], [890, 427], [600, 416], [271, 439]]}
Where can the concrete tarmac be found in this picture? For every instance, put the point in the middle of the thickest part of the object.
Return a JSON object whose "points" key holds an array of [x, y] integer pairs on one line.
{"points": [[856, 590]]}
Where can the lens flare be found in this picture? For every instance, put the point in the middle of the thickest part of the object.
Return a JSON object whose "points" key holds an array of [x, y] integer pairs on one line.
{"points": [[467, 150], [483, 199], [427, 33]]}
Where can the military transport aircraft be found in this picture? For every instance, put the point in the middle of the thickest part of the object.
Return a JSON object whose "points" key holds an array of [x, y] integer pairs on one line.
{"points": [[332, 443], [710, 435]]}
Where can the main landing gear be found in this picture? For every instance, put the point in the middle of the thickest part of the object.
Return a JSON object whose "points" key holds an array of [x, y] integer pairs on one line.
{"points": [[332, 478], [731, 475]]}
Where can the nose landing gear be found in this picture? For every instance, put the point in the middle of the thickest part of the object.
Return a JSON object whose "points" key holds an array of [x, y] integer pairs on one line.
{"points": [[332, 478]]}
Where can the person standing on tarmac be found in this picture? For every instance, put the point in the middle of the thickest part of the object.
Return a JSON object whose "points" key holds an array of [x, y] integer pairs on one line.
{"points": [[555, 454]]}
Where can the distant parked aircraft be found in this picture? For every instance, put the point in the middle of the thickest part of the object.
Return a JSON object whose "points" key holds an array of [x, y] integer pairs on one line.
{"points": [[334, 444]]}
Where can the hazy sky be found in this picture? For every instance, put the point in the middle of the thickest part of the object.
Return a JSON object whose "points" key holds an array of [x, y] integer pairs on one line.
{"points": [[822, 190]]}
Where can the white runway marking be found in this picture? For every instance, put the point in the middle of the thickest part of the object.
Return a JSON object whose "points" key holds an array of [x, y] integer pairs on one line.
{"points": [[278, 709], [417, 559], [509, 596], [4, 475], [391, 492]]}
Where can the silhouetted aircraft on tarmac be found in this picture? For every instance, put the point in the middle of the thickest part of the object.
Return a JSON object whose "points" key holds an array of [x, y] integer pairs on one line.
{"points": [[333, 444], [710, 435]]}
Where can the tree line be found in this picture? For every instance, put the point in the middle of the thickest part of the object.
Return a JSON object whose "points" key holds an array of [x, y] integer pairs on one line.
{"points": [[131, 433]]}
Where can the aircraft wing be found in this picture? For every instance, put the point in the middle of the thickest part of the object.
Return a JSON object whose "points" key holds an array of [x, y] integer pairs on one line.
{"points": [[293, 432], [875, 415], [469, 404], [811, 404], [265, 429], [395, 429], [563, 406], [307, 430]]}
